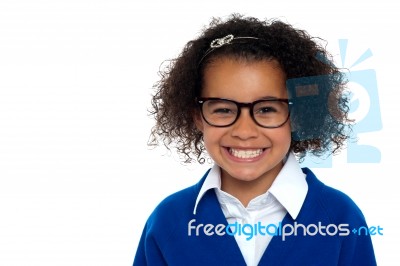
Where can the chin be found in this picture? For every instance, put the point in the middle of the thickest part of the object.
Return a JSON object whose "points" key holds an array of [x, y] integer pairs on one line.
{"points": [[245, 176]]}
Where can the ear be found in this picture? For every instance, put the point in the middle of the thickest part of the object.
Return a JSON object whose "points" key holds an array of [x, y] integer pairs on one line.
{"points": [[198, 120]]}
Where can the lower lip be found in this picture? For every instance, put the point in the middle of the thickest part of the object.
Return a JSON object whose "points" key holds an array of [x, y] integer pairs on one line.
{"points": [[246, 160]]}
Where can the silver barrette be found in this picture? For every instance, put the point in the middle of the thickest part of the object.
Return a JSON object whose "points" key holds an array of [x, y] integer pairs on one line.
{"points": [[219, 42]]}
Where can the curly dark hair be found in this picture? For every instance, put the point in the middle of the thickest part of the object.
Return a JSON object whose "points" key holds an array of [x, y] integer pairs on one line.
{"points": [[320, 113]]}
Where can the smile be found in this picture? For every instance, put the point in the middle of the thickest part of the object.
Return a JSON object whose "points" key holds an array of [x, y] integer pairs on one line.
{"points": [[245, 154]]}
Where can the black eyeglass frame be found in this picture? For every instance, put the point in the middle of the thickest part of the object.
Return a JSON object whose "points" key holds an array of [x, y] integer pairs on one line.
{"points": [[201, 100]]}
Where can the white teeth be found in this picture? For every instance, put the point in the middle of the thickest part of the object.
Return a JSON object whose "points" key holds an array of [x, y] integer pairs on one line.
{"points": [[245, 154]]}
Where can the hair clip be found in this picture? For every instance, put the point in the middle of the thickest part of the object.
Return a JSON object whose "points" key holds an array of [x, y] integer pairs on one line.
{"points": [[219, 42]]}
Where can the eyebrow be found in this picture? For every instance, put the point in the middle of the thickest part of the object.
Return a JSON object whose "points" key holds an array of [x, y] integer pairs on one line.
{"points": [[269, 98]]}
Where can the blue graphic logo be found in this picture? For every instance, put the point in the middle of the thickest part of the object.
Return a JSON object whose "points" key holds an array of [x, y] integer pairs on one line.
{"points": [[364, 109]]}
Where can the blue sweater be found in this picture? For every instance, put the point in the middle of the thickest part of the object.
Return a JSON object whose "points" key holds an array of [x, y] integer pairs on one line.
{"points": [[166, 241]]}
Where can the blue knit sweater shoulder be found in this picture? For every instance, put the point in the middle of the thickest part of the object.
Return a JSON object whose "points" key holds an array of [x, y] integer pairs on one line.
{"points": [[325, 237]]}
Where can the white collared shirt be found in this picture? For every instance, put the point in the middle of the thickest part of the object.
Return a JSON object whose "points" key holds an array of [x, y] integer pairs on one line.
{"points": [[286, 195]]}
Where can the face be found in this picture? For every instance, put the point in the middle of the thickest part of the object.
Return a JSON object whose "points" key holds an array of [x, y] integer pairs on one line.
{"points": [[245, 151]]}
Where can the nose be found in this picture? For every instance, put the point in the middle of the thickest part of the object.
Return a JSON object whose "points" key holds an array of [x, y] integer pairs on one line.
{"points": [[245, 127]]}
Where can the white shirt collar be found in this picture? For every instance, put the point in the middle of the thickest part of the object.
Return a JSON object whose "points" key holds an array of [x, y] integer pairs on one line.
{"points": [[289, 187], [213, 180]]}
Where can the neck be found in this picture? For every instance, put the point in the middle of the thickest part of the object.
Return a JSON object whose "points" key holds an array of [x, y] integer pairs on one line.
{"points": [[245, 190]]}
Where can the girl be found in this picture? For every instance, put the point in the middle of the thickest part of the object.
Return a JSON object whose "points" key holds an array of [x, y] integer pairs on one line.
{"points": [[255, 95]]}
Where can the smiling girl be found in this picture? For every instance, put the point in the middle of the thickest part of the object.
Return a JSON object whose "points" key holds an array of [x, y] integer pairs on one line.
{"points": [[227, 95]]}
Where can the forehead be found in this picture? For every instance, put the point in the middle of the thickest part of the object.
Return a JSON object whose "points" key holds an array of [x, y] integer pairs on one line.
{"points": [[240, 79]]}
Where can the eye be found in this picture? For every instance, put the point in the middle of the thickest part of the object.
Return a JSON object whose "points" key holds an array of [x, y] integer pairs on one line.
{"points": [[222, 111], [270, 108], [220, 107], [266, 109]]}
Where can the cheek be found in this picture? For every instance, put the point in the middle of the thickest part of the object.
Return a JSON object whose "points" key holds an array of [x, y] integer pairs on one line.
{"points": [[209, 133], [283, 136], [212, 135]]}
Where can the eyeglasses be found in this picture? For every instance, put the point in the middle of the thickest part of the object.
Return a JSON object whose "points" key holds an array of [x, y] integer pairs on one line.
{"points": [[269, 113]]}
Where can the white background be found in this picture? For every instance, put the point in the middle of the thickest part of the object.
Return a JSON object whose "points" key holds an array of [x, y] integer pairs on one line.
{"points": [[77, 181]]}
